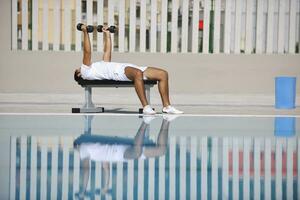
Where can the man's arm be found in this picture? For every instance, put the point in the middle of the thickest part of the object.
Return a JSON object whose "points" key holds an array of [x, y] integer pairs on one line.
{"points": [[107, 45], [86, 47]]}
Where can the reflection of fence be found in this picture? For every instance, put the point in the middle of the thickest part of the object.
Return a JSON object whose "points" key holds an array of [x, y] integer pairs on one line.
{"points": [[231, 26], [192, 167]]}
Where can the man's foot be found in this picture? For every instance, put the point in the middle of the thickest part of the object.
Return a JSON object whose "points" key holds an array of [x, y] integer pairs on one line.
{"points": [[148, 110], [171, 110]]}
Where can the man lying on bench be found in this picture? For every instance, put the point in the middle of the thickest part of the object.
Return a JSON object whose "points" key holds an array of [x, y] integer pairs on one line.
{"points": [[123, 72]]}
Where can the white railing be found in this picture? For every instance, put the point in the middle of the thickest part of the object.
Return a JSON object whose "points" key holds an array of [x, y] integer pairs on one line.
{"points": [[190, 163], [229, 26]]}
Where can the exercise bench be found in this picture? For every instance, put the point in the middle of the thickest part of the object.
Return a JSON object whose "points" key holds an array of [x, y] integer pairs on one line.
{"points": [[89, 106]]}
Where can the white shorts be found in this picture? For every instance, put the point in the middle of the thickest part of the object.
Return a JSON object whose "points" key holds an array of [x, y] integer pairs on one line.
{"points": [[120, 75]]}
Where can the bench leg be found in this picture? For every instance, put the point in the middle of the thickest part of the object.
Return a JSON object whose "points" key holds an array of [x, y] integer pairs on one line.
{"points": [[88, 124], [88, 106], [88, 98]]}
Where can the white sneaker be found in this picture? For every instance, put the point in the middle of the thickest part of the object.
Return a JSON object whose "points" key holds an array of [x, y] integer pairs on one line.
{"points": [[171, 110], [148, 118], [169, 118], [148, 110]]}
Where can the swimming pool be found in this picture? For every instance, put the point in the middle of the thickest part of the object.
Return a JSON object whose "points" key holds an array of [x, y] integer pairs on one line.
{"points": [[131, 157]]}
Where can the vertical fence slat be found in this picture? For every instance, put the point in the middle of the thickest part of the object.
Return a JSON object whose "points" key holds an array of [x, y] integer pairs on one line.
{"points": [[76, 174], [143, 26], [98, 177], [164, 26], [132, 26], [246, 168], [227, 26], [225, 168], [215, 168], [119, 180], [56, 25], [172, 167], [289, 168], [43, 183], [153, 29], [25, 24], [257, 169], [151, 173], [292, 29], [235, 168], [268, 176], [33, 167], [174, 31], [54, 167], [100, 22], [13, 162], [121, 26], [130, 179], [65, 169], [14, 24], [140, 181], [34, 25], [281, 26], [78, 20], [184, 30], [278, 169], [111, 20], [67, 25], [89, 18], [249, 26], [109, 196], [270, 26], [161, 177], [217, 20], [193, 174], [259, 28], [204, 162], [182, 157], [45, 30], [195, 28], [23, 168], [237, 35], [206, 22]]}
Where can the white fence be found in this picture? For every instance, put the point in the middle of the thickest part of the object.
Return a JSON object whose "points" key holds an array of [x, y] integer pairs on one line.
{"points": [[229, 26], [49, 167]]}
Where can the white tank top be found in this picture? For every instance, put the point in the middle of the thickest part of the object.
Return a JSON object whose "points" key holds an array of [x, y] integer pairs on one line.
{"points": [[102, 70]]}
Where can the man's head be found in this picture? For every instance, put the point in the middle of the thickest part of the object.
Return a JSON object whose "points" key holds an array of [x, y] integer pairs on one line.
{"points": [[77, 74]]}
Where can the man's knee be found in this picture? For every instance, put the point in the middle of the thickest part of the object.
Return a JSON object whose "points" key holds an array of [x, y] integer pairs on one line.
{"points": [[138, 75], [163, 75]]}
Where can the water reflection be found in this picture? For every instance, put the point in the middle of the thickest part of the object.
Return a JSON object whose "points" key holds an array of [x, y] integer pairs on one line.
{"points": [[146, 166], [109, 149]]}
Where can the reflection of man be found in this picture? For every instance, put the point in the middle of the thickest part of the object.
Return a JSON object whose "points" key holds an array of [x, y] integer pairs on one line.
{"points": [[107, 149]]}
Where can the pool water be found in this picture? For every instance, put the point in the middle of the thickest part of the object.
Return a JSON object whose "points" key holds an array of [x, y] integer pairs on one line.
{"points": [[135, 157]]}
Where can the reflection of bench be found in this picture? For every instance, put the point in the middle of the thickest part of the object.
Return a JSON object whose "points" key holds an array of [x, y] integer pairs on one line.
{"points": [[89, 107]]}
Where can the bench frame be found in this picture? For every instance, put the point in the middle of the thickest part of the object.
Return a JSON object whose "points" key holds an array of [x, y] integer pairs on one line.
{"points": [[89, 106]]}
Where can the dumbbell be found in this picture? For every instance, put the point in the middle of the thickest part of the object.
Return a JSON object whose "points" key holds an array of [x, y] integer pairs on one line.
{"points": [[111, 29], [89, 28]]}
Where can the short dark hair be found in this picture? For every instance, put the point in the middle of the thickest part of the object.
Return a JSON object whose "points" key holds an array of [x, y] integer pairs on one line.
{"points": [[76, 77]]}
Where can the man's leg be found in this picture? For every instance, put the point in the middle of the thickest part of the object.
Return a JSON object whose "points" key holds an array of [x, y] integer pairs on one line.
{"points": [[161, 76], [162, 142], [136, 76], [135, 151]]}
